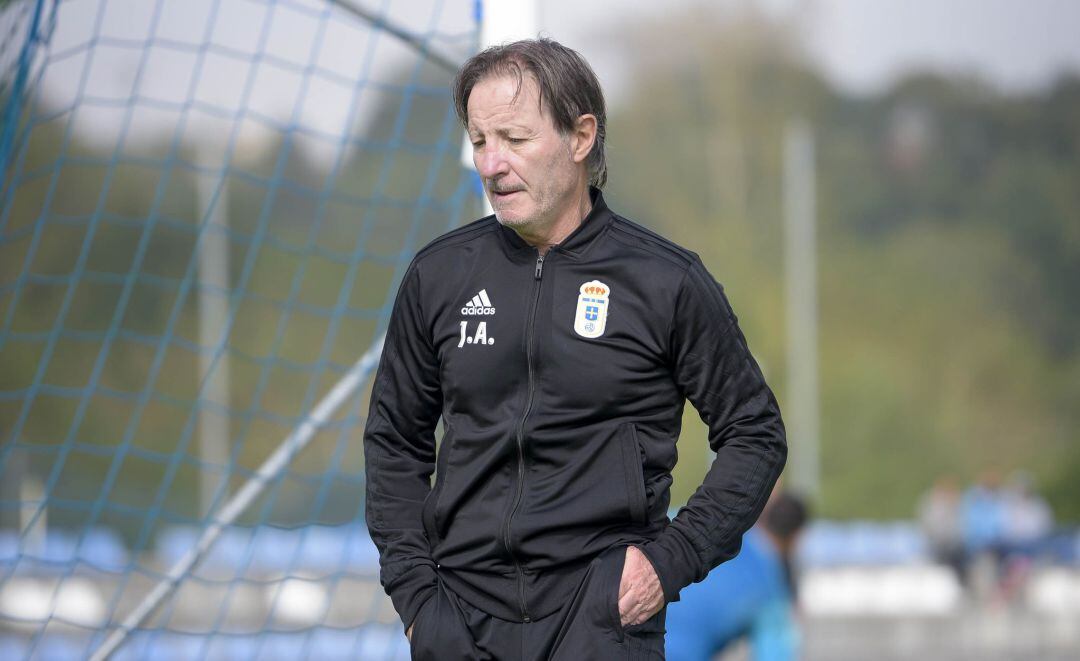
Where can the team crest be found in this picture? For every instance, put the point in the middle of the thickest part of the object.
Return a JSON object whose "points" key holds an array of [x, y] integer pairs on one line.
{"points": [[592, 308]]}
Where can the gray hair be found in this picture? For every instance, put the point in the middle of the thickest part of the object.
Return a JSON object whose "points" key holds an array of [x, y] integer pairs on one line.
{"points": [[567, 85]]}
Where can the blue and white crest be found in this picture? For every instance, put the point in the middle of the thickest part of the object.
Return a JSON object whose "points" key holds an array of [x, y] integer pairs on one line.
{"points": [[592, 309]]}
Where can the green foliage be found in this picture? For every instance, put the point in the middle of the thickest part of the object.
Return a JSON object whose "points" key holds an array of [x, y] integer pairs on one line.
{"points": [[304, 248], [948, 248]]}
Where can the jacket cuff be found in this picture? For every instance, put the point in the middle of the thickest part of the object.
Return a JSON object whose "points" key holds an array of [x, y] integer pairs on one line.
{"points": [[411, 592], [675, 561]]}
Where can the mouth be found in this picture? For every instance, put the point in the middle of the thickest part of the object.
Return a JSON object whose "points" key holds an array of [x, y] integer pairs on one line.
{"points": [[501, 195]]}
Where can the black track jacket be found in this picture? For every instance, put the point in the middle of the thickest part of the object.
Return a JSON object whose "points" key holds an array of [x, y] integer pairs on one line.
{"points": [[561, 382]]}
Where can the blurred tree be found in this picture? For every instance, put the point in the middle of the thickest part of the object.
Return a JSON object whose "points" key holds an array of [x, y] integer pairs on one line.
{"points": [[949, 257], [295, 226], [948, 248]]}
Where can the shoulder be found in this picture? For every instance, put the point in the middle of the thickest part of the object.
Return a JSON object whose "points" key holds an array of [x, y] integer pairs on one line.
{"points": [[476, 232], [649, 245], [659, 255]]}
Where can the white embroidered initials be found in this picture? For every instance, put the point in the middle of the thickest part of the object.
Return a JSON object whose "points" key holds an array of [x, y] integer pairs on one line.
{"points": [[480, 337]]}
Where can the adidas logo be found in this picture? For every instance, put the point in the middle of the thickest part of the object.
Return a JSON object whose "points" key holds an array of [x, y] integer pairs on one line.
{"points": [[479, 305]]}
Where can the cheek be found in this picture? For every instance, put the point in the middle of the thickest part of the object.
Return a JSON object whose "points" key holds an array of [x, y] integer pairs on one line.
{"points": [[561, 173], [553, 166]]}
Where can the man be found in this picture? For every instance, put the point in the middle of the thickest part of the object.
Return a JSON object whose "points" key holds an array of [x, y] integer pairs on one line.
{"points": [[558, 342], [750, 597]]}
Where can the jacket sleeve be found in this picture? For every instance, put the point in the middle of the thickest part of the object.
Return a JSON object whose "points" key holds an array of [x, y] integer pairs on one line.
{"points": [[399, 452], [714, 369]]}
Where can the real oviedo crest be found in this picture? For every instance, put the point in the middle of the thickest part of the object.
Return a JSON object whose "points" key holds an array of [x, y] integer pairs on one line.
{"points": [[592, 308]]}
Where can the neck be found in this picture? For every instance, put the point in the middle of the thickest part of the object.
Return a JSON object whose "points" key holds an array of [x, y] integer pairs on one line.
{"points": [[543, 238]]}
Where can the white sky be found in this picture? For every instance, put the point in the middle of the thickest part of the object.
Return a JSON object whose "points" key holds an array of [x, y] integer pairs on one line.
{"points": [[325, 71], [863, 45]]}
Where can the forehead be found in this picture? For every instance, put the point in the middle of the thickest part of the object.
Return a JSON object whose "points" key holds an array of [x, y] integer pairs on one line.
{"points": [[505, 98]]}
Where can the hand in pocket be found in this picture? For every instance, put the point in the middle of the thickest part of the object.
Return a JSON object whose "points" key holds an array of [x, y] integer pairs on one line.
{"points": [[640, 594]]}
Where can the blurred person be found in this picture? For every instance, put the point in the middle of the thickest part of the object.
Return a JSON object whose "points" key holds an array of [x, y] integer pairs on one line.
{"points": [[1028, 520], [1028, 525], [751, 597], [982, 519], [559, 342], [939, 519], [982, 515]]}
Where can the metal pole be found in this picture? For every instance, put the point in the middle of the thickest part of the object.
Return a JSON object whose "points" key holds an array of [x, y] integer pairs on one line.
{"points": [[401, 33], [802, 408], [213, 321], [243, 499], [15, 94]]}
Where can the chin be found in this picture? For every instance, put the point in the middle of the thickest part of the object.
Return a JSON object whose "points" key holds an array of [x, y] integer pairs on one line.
{"points": [[512, 218]]}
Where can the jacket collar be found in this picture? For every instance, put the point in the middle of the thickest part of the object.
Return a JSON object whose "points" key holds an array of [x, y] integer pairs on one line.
{"points": [[580, 239]]}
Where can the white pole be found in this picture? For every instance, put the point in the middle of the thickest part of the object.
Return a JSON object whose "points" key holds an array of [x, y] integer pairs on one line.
{"points": [[213, 316], [802, 408], [502, 21], [31, 501], [507, 20]]}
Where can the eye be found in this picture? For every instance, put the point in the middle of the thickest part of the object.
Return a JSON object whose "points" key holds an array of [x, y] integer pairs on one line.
{"points": [[478, 143], [516, 141]]}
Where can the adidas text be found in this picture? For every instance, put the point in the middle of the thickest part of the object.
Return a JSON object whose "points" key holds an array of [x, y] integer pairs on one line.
{"points": [[478, 305]]}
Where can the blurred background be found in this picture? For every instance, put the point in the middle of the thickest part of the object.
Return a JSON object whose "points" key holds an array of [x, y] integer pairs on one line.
{"points": [[207, 204]]}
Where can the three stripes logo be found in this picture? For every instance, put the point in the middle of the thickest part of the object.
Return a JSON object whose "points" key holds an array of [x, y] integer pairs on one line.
{"points": [[479, 305]]}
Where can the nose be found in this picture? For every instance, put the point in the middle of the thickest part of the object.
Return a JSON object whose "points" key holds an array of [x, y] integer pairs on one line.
{"points": [[490, 162]]}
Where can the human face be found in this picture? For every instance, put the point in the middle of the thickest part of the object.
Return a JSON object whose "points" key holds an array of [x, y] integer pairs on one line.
{"points": [[530, 172]]}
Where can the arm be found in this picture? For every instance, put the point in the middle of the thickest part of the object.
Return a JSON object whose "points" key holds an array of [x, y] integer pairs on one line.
{"points": [[713, 367], [399, 452]]}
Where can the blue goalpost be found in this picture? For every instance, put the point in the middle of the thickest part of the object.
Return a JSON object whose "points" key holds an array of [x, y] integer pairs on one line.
{"points": [[205, 208]]}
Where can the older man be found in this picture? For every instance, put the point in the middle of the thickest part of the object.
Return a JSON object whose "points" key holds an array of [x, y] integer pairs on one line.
{"points": [[559, 342]]}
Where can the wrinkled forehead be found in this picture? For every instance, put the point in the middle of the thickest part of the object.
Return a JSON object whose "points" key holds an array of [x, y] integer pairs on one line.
{"points": [[509, 88]]}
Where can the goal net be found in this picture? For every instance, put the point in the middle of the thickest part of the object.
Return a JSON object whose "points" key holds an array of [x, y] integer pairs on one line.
{"points": [[205, 208]]}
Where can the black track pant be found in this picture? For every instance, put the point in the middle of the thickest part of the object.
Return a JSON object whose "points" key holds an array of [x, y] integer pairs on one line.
{"points": [[587, 628]]}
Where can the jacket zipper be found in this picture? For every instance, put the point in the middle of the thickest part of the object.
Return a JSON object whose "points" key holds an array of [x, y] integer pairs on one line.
{"points": [[521, 439]]}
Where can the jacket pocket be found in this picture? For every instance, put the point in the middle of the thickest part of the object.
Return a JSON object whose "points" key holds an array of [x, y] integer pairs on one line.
{"points": [[616, 583], [429, 514], [422, 618], [634, 474]]}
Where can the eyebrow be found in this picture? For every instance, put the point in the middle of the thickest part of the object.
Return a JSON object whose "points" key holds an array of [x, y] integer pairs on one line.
{"points": [[502, 130]]}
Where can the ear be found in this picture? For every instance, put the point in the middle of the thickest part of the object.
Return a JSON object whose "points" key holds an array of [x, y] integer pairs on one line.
{"points": [[582, 137]]}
